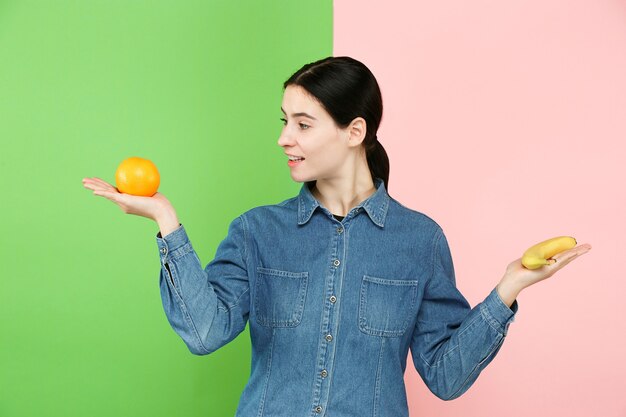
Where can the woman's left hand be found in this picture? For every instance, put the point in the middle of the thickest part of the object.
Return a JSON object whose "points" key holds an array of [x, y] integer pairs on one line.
{"points": [[517, 277]]}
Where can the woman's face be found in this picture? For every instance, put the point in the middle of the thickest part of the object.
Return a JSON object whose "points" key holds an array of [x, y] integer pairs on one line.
{"points": [[311, 133]]}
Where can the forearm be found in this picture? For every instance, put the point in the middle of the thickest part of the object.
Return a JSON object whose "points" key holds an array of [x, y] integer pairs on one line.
{"points": [[455, 355], [204, 316], [190, 308]]}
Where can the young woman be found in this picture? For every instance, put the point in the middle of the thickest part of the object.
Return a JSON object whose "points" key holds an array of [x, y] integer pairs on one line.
{"points": [[338, 282]]}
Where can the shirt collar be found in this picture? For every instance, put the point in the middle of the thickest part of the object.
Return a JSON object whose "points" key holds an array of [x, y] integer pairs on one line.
{"points": [[375, 205]]}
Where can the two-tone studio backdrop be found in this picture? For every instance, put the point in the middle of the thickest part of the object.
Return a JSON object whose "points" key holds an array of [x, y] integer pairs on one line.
{"points": [[503, 121]]}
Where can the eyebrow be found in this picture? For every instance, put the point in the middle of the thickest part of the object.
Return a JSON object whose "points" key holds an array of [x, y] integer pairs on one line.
{"points": [[299, 114]]}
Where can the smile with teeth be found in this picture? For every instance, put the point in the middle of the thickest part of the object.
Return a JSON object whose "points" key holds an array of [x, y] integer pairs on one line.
{"points": [[295, 158]]}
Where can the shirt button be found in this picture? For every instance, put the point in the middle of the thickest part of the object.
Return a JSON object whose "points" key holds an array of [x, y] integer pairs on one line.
{"points": [[163, 250], [336, 262], [339, 229], [324, 373], [318, 409], [329, 337], [332, 298]]}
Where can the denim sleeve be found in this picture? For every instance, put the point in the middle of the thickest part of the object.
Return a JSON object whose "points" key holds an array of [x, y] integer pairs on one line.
{"points": [[207, 307], [452, 343]]}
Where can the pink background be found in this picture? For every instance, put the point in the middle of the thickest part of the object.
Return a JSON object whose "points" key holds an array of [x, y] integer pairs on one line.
{"points": [[505, 122]]}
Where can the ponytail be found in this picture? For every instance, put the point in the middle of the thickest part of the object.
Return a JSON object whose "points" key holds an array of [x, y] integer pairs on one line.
{"points": [[378, 162]]}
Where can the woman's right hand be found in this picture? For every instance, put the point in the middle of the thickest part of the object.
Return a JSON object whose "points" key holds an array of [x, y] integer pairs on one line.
{"points": [[150, 207]]}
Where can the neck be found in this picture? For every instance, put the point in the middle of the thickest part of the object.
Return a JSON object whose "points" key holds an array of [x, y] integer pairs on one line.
{"points": [[339, 196]]}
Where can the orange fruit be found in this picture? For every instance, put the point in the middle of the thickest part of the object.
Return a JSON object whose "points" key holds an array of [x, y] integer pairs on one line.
{"points": [[137, 176]]}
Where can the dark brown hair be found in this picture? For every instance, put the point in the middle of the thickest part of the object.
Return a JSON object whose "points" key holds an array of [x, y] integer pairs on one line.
{"points": [[347, 89]]}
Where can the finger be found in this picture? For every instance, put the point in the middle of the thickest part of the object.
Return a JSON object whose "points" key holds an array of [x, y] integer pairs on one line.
{"points": [[91, 181], [100, 180], [91, 185], [573, 253], [87, 184], [94, 180], [564, 258], [103, 183], [95, 187], [106, 194], [98, 185]]}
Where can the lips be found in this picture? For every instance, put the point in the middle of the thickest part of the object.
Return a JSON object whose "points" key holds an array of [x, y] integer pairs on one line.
{"points": [[294, 163]]}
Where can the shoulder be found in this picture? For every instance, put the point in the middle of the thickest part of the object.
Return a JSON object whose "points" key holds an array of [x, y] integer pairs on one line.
{"points": [[265, 211], [412, 217]]}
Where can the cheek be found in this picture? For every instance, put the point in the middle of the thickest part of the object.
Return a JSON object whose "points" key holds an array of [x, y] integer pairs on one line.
{"points": [[321, 145], [328, 157]]}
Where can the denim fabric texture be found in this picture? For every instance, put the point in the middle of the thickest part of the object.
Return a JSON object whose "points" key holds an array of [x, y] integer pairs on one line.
{"points": [[333, 307]]}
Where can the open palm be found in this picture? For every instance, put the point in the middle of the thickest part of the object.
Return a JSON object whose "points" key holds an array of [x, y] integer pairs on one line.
{"points": [[148, 207], [527, 277]]}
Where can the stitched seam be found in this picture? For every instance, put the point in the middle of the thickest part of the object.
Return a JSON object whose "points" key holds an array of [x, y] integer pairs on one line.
{"points": [[378, 372], [303, 277], [434, 253], [244, 259], [476, 368], [267, 377], [180, 252], [245, 240], [493, 323], [192, 326], [450, 350], [170, 279], [228, 308], [338, 305], [373, 331]]}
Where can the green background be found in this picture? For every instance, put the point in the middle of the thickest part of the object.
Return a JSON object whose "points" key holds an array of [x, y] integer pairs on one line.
{"points": [[196, 87]]}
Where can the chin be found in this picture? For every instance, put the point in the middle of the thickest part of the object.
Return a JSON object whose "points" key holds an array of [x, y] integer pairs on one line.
{"points": [[301, 178]]}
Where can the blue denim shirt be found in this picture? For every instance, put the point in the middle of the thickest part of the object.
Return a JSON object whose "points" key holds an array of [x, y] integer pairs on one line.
{"points": [[333, 307]]}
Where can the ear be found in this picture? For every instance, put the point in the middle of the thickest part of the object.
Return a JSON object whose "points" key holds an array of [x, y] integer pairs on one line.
{"points": [[356, 131]]}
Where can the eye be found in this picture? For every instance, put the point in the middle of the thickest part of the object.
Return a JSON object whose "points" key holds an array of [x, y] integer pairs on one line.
{"points": [[284, 121], [304, 126]]}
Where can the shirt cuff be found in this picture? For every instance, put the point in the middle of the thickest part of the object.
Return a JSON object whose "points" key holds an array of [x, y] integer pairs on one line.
{"points": [[172, 243], [498, 314]]}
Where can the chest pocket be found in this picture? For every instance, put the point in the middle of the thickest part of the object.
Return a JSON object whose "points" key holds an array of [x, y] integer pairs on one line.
{"points": [[386, 306], [280, 297]]}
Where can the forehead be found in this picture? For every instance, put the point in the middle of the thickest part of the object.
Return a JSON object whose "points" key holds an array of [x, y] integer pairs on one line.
{"points": [[297, 99]]}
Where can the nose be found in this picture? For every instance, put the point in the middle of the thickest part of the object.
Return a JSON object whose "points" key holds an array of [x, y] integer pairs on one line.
{"points": [[285, 139]]}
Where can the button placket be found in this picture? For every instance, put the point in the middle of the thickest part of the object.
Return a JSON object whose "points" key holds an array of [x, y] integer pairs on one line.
{"points": [[327, 350]]}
